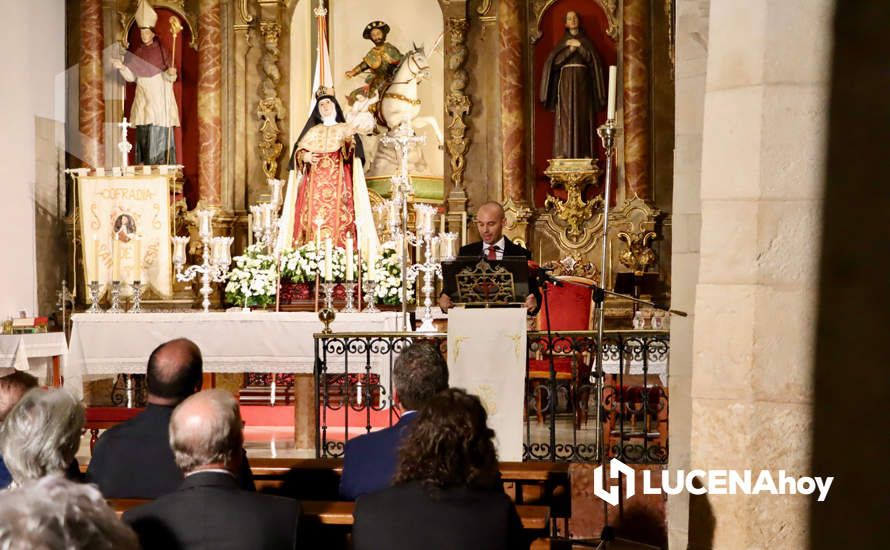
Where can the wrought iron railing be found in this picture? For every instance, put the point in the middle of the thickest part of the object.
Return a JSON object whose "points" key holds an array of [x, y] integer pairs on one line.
{"points": [[354, 392]]}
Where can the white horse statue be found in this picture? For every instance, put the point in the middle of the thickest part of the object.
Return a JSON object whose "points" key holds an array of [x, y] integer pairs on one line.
{"points": [[400, 105]]}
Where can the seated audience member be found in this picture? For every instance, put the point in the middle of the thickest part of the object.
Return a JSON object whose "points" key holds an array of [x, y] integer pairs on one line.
{"points": [[55, 513], [209, 510], [41, 434], [447, 491], [419, 373], [12, 387], [134, 459]]}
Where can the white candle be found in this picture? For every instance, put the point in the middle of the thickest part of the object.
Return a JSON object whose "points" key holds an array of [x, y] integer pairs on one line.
{"points": [[613, 81], [205, 227], [463, 228], [94, 264], [442, 223], [267, 216], [372, 266], [276, 191], [349, 266], [256, 212], [116, 260], [395, 214], [137, 259], [328, 260]]}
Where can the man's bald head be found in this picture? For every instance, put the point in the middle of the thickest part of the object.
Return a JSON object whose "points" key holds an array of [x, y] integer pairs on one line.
{"points": [[205, 432], [490, 219], [174, 371]]}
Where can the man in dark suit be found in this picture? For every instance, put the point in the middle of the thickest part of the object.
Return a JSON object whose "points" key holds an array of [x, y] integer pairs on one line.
{"points": [[209, 510], [490, 220], [134, 459], [419, 373]]}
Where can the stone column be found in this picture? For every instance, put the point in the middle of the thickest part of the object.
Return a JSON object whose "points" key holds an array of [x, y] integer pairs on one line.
{"points": [[512, 113], [691, 60], [637, 131], [92, 100], [209, 101], [761, 202]]}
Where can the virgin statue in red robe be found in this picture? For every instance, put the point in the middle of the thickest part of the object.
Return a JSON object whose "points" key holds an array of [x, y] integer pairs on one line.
{"points": [[327, 196]]}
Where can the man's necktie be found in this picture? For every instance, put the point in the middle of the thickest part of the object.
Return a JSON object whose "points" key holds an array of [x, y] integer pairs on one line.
{"points": [[492, 253]]}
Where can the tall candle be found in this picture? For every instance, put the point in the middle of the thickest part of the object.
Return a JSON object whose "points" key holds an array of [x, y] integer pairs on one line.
{"points": [[204, 226], [116, 260], [613, 81], [137, 259], [328, 260], [372, 266], [442, 223], [349, 274], [94, 263]]}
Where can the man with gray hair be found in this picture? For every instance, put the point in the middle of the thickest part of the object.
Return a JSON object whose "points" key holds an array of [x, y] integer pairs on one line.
{"points": [[209, 510], [41, 434], [419, 373], [53, 512]]}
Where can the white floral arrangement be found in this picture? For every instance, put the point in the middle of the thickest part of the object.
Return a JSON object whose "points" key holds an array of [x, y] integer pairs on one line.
{"points": [[252, 281], [389, 277], [302, 265]]}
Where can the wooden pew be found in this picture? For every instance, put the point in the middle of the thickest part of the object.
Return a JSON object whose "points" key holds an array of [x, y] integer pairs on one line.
{"points": [[339, 512], [535, 483]]}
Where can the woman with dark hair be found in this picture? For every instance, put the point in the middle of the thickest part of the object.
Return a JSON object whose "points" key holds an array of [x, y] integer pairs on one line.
{"points": [[327, 197], [447, 491]]}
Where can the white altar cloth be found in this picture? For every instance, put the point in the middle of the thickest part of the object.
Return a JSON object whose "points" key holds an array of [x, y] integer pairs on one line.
{"points": [[104, 345], [28, 352]]}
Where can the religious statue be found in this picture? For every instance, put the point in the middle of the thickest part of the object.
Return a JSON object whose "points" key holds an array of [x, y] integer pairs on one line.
{"points": [[381, 62], [327, 196], [572, 84], [154, 111]]}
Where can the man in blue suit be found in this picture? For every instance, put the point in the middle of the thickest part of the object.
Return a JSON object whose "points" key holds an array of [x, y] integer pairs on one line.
{"points": [[419, 373]]}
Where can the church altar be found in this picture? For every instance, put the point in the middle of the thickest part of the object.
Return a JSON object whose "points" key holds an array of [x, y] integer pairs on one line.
{"points": [[25, 352], [105, 345]]}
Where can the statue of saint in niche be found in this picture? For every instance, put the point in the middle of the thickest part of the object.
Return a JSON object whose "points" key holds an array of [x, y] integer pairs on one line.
{"points": [[572, 85], [154, 111]]}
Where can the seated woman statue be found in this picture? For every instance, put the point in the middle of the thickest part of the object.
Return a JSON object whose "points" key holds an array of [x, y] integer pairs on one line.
{"points": [[447, 491]]}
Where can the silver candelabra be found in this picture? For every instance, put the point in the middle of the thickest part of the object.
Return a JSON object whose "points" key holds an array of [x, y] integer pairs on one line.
{"points": [[402, 139], [430, 267], [217, 257]]}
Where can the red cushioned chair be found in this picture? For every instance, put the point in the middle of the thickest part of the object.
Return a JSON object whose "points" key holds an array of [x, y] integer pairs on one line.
{"points": [[570, 310]]}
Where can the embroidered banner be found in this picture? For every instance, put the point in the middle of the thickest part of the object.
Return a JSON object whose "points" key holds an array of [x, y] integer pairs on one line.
{"points": [[125, 224]]}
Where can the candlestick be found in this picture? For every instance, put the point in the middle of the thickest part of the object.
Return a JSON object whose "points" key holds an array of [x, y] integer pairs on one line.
{"points": [[115, 298], [448, 246], [94, 298], [371, 296], [136, 306], [350, 295], [613, 78], [349, 266]]}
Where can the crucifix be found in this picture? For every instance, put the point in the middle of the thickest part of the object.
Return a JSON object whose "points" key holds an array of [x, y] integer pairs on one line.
{"points": [[123, 145]]}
